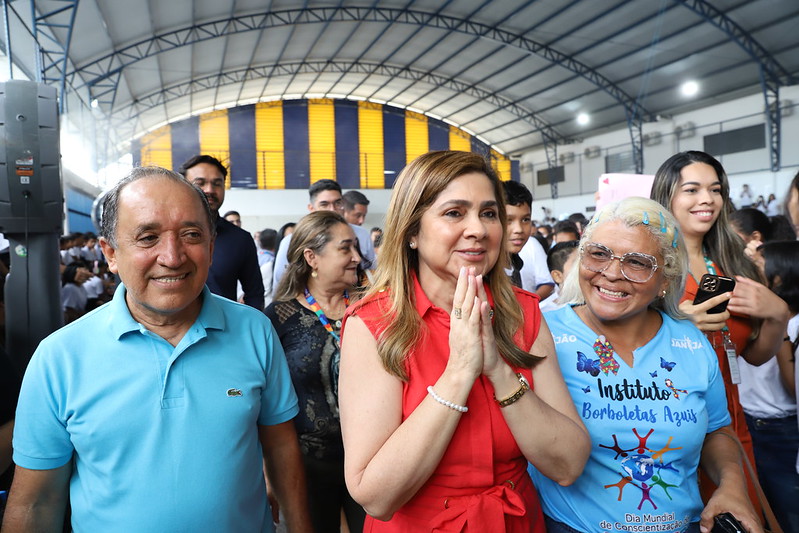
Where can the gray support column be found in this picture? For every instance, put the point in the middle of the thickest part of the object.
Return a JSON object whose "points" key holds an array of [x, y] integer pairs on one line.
{"points": [[771, 94]]}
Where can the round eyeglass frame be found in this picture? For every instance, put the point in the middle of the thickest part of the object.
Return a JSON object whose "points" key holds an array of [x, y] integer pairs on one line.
{"points": [[622, 259]]}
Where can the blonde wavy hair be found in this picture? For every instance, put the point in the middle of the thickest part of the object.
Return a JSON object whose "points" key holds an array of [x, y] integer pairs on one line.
{"points": [[416, 189]]}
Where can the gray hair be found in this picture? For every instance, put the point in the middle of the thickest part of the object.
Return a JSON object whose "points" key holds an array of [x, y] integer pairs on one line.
{"points": [[110, 216], [662, 226]]}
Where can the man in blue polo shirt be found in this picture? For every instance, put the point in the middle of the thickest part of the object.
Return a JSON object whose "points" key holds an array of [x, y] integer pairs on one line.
{"points": [[164, 421]]}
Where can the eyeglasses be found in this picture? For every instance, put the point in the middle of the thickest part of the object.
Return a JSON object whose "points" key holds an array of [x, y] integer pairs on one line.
{"points": [[635, 266]]}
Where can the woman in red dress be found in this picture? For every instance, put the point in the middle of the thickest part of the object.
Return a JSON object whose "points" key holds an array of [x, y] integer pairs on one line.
{"points": [[694, 187], [449, 384]]}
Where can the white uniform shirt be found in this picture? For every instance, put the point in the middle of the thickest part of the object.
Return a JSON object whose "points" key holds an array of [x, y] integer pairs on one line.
{"points": [[535, 271]]}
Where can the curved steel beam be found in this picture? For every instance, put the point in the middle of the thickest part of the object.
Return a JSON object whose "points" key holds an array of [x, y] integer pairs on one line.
{"points": [[344, 42], [514, 80], [126, 117], [52, 57], [744, 39], [429, 46], [772, 74], [103, 68]]}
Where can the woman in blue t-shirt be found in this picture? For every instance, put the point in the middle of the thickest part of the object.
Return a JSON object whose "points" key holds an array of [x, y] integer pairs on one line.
{"points": [[645, 383]]}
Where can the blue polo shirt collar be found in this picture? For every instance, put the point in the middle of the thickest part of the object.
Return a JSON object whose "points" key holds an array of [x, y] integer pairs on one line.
{"points": [[121, 322]]}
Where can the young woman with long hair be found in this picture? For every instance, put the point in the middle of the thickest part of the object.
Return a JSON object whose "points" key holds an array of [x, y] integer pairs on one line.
{"points": [[694, 187]]}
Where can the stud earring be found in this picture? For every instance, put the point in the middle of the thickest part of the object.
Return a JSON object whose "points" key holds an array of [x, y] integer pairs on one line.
{"points": [[664, 293], [412, 245]]}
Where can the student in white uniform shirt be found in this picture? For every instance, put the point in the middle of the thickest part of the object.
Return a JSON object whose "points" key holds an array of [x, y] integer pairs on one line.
{"points": [[767, 393], [535, 274], [90, 252], [560, 260], [530, 261]]}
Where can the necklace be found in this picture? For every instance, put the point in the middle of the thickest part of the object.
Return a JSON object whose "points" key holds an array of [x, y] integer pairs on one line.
{"points": [[316, 308], [711, 267]]}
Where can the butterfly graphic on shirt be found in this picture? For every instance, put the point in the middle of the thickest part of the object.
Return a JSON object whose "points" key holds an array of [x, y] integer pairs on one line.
{"points": [[668, 365], [587, 365]]}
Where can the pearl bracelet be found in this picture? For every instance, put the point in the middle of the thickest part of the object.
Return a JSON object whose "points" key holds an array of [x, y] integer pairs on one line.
{"points": [[442, 401]]}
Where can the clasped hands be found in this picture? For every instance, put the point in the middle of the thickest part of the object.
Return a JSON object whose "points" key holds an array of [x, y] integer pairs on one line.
{"points": [[473, 349]]}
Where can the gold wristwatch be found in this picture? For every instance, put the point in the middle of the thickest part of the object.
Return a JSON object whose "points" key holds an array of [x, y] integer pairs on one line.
{"points": [[523, 387]]}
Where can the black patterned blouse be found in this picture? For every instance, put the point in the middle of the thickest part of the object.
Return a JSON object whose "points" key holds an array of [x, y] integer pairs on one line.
{"points": [[313, 358]]}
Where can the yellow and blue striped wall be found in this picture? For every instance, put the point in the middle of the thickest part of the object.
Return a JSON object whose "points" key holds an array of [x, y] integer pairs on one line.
{"points": [[293, 143]]}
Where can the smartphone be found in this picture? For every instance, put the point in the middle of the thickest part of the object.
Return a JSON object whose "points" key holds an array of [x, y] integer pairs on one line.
{"points": [[712, 285], [727, 523]]}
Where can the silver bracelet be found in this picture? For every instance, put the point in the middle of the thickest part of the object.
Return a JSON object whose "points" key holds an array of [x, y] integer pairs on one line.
{"points": [[442, 401]]}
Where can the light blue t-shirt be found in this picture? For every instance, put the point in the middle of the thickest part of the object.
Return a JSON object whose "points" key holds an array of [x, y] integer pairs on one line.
{"points": [[163, 438], [647, 425]]}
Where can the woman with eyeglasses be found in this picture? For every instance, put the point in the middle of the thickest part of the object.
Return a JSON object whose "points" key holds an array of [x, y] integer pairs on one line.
{"points": [[645, 382], [694, 187]]}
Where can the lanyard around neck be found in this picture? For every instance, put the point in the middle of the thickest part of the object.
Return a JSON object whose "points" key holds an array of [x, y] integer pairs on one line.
{"points": [[711, 268], [316, 308]]}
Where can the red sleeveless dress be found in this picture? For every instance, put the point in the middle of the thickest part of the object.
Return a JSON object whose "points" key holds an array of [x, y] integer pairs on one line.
{"points": [[481, 484]]}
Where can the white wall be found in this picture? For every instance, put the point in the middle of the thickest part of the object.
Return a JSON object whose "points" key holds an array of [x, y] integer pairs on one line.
{"points": [[272, 208], [751, 167]]}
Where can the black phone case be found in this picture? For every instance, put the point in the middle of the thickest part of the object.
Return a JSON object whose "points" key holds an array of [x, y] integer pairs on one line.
{"points": [[712, 285], [726, 523]]}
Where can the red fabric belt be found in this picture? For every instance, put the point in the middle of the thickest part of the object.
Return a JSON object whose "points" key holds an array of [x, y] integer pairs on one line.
{"points": [[481, 512]]}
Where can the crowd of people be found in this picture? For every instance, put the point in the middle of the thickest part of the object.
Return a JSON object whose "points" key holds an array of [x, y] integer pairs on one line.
{"points": [[86, 282], [461, 368]]}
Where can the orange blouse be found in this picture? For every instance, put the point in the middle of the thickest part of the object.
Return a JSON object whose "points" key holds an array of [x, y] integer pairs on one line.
{"points": [[740, 327]]}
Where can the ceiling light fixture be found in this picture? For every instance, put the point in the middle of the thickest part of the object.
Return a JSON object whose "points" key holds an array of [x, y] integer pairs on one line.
{"points": [[689, 88], [583, 119]]}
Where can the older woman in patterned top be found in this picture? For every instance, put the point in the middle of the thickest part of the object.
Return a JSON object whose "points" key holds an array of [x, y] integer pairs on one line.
{"points": [[306, 312]]}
